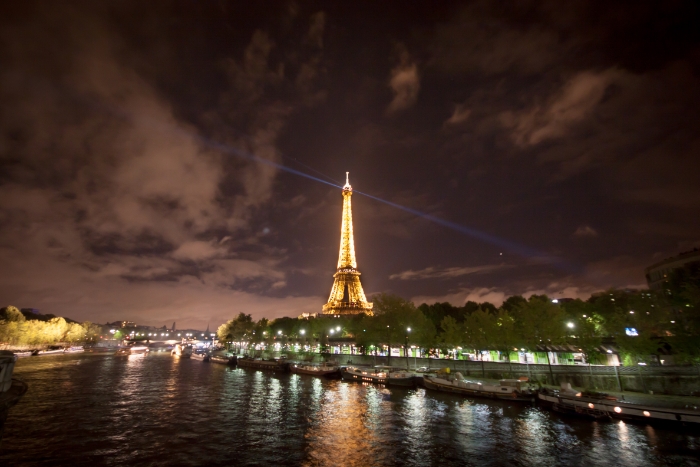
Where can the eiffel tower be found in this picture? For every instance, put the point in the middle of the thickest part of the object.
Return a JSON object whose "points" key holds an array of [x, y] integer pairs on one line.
{"points": [[347, 296]]}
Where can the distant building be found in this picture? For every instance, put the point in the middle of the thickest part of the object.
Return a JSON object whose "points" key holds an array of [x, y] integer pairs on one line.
{"points": [[307, 315], [657, 274]]}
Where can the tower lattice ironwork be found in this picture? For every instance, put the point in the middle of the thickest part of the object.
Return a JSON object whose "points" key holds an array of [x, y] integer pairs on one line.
{"points": [[347, 296]]}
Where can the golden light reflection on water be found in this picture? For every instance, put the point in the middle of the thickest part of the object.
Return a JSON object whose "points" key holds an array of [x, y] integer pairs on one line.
{"points": [[341, 434]]}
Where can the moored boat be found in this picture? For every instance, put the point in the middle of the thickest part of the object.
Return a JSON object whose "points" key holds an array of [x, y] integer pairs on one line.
{"points": [[75, 349], [378, 375], [11, 389], [232, 360], [132, 350], [507, 389], [327, 371], [24, 353], [571, 401], [200, 356], [271, 365], [182, 351], [51, 350]]}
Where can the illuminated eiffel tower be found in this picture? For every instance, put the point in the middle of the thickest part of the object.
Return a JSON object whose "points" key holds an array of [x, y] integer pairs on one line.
{"points": [[347, 296]]}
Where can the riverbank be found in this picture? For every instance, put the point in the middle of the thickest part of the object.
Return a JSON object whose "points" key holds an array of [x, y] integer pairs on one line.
{"points": [[683, 381]]}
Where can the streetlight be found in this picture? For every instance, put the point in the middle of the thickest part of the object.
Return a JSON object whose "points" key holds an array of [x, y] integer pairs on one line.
{"points": [[279, 333], [405, 349], [302, 332], [570, 324]]}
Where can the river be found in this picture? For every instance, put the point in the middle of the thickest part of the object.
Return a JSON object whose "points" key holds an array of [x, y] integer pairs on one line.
{"points": [[93, 410]]}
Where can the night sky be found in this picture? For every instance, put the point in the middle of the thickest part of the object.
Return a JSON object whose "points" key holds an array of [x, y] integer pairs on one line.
{"points": [[149, 150]]}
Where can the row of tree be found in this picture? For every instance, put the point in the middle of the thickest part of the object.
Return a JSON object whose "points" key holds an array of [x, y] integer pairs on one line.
{"points": [[636, 323], [17, 330]]}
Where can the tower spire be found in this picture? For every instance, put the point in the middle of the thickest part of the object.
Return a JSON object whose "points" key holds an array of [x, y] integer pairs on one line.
{"points": [[347, 296]]}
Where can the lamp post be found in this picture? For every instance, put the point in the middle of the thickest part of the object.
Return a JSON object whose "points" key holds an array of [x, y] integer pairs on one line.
{"points": [[388, 346], [405, 349]]}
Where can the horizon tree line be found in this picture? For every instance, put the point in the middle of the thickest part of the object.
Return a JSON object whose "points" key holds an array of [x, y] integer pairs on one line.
{"points": [[639, 323]]}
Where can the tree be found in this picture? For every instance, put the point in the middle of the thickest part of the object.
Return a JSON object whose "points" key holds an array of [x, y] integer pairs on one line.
{"points": [[622, 311], [452, 335], [393, 316], [92, 331], [74, 333], [237, 329], [480, 330], [12, 314]]}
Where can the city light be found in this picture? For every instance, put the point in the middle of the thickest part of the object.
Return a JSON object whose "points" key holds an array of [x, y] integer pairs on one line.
{"points": [[302, 332], [570, 324]]}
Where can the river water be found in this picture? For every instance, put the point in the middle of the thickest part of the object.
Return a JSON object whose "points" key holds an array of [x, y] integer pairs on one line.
{"points": [[156, 410]]}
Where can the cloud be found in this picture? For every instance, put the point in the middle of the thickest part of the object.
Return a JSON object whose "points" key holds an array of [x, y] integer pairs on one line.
{"points": [[460, 115], [111, 185], [317, 24], [481, 38], [618, 271], [573, 103], [497, 296], [404, 83], [197, 251], [445, 273], [585, 231], [462, 296]]}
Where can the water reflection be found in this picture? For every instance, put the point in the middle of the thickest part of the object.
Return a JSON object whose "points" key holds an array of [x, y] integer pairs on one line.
{"points": [[156, 410], [342, 432]]}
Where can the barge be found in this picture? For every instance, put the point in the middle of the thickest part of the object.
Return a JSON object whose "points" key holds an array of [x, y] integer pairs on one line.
{"points": [[567, 400], [270, 365], [508, 389], [326, 371], [379, 375], [232, 360]]}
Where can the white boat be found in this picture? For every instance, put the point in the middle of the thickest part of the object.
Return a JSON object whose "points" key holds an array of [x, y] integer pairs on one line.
{"points": [[51, 350], [25, 353], [200, 356], [133, 350], [182, 351], [75, 349]]}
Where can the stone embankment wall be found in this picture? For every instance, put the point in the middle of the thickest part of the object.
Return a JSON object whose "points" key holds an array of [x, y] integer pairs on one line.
{"points": [[673, 380]]}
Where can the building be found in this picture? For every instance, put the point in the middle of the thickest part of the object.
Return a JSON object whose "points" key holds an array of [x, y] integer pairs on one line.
{"points": [[307, 315], [657, 274], [347, 296]]}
